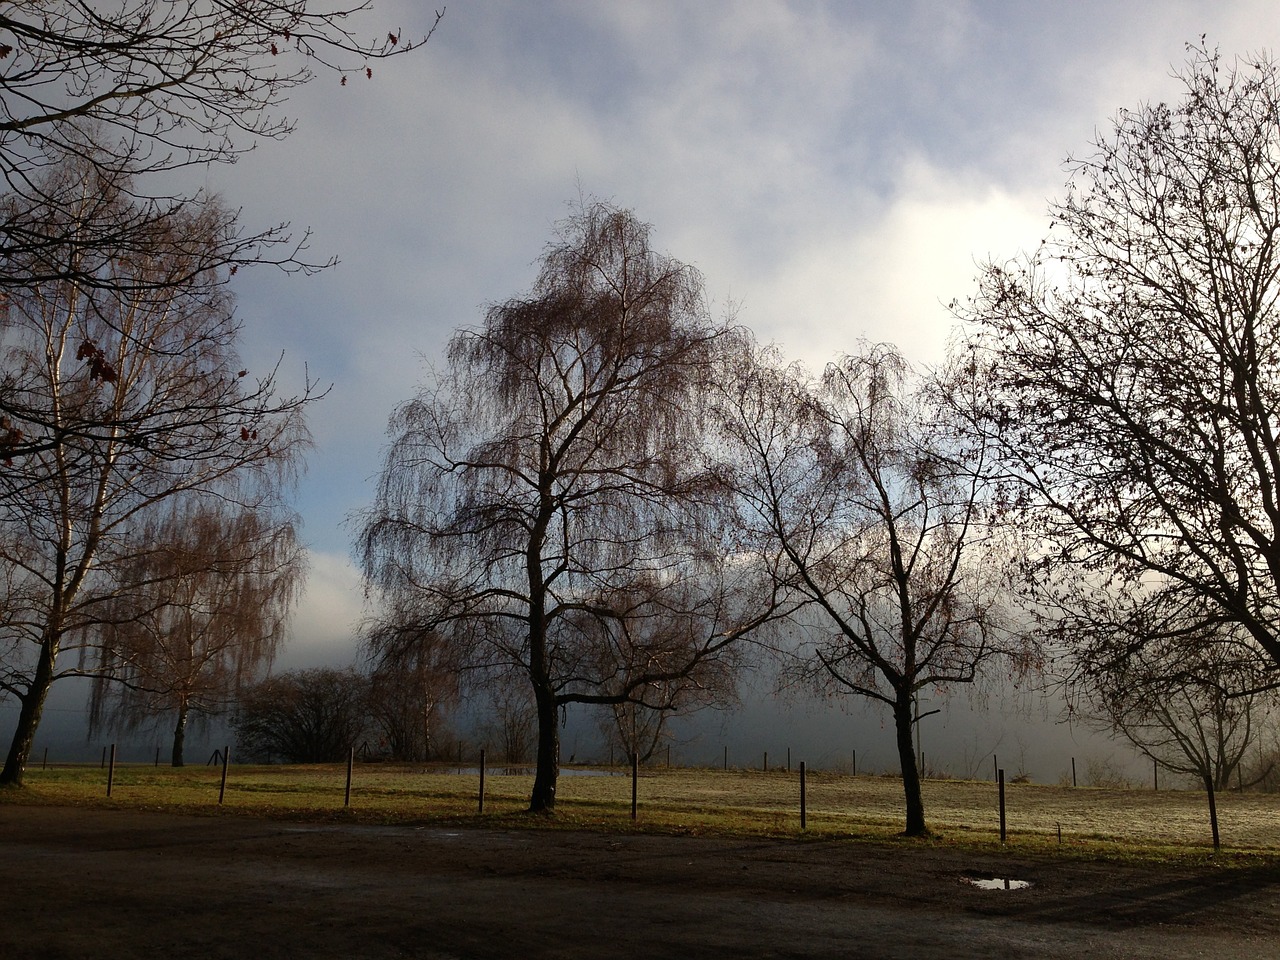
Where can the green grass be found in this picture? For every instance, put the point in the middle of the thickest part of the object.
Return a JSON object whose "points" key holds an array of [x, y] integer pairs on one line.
{"points": [[1168, 825]]}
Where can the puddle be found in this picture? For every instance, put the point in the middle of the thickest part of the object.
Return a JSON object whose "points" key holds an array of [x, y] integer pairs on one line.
{"points": [[522, 772], [997, 883], [373, 829]]}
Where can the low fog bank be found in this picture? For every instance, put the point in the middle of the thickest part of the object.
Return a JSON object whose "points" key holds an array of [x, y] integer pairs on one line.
{"points": [[63, 735], [972, 732]]}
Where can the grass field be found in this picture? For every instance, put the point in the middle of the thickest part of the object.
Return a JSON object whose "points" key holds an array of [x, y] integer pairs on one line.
{"points": [[1103, 822]]}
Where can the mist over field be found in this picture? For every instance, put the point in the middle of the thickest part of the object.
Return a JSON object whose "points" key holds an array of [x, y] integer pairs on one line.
{"points": [[1023, 732]]}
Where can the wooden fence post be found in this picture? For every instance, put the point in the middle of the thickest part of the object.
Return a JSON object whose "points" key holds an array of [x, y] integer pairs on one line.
{"points": [[111, 770], [635, 779], [222, 787], [351, 759], [803, 798], [1000, 778]]}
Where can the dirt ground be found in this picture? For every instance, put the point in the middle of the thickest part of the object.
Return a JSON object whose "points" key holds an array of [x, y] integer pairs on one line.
{"points": [[126, 884]]}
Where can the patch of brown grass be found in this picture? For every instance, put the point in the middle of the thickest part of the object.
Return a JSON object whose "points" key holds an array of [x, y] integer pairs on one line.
{"points": [[1168, 824]]}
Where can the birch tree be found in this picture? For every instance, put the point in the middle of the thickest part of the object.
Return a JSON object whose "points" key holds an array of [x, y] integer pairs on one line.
{"points": [[120, 397], [195, 615], [548, 492]]}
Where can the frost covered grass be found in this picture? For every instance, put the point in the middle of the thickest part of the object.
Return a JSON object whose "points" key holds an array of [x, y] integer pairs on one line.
{"points": [[1111, 822]]}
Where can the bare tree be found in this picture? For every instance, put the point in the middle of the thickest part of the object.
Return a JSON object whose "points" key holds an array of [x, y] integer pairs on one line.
{"points": [[865, 506], [510, 720], [303, 716], [121, 397], [636, 730], [1129, 367], [549, 489], [409, 699], [638, 724], [132, 88], [195, 615], [1189, 698]]}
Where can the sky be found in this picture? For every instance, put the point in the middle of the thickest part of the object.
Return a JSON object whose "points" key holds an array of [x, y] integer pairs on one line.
{"points": [[836, 170]]}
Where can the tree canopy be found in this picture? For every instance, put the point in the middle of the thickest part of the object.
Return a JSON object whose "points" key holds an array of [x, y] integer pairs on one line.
{"points": [[545, 508], [120, 398], [873, 515], [196, 614], [1128, 368], [133, 88]]}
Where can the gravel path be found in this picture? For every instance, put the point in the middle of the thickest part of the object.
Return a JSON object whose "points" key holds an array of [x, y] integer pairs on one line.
{"points": [[125, 884]]}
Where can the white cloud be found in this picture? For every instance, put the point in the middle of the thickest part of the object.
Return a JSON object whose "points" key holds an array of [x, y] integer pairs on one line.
{"points": [[325, 622], [887, 277], [837, 168]]}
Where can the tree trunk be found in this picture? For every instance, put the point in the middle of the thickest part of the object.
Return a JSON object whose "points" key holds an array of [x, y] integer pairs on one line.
{"points": [[903, 725], [543, 799], [29, 718], [179, 735], [1213, 814]]}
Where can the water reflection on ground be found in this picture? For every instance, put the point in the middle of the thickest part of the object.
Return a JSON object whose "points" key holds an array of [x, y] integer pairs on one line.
{"points": [[997, 883], [504, 771]]}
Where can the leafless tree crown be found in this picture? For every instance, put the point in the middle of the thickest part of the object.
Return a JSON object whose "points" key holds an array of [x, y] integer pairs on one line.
{"points": [[1129, 371], [863, 503], [117, 400], [134, 88], [547, 503]]}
